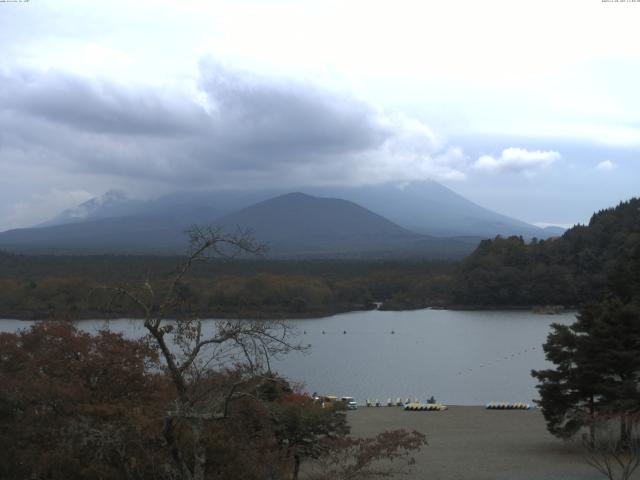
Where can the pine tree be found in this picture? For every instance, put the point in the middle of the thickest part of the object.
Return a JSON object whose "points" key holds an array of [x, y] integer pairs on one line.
{"points": [[597, 373]]}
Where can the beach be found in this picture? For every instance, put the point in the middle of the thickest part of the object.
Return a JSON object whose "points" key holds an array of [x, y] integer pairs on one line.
{"points": [[472, 443]]}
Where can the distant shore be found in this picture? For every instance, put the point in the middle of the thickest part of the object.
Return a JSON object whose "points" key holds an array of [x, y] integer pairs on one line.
{"points": [[287, 315]]}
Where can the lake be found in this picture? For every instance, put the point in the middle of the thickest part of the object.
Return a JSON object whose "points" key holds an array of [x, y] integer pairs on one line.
{"points": [[459, 357]]}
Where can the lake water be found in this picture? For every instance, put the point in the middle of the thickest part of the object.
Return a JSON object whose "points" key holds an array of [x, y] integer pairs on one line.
{"points": [[459, 357]]}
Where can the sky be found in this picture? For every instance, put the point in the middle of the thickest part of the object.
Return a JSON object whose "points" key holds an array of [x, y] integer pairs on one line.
{"points": [[530, 108]]}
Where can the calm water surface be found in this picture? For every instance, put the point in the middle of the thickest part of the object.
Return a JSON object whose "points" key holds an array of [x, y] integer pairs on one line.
{"points": [[461, 358]]}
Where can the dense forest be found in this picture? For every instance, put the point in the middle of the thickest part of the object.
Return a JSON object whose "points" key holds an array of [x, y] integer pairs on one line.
{"points": [[583, 264], [69, 286]]}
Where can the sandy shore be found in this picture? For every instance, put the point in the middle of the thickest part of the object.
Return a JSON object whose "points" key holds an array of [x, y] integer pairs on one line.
{"points": [[471, 443]]}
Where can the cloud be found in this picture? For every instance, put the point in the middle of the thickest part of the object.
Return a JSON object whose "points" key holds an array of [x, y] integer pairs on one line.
{"points": [[239, 130], [606, 166], [96, 106], [516, 160], [40, 207]]}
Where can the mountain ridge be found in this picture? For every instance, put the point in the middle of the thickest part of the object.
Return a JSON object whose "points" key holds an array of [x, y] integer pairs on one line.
{"points": [[294, 224], [425, 207]]}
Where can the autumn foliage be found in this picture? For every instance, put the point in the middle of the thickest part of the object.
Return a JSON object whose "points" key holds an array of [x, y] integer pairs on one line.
{"points": [[80, 406]]}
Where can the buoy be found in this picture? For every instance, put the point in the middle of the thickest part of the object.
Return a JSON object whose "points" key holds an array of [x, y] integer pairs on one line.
{"points": [[344, 332], [392, 332]]}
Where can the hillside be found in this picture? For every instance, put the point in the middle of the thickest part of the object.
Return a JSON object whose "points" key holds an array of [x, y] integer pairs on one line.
{"points": [[581, 266]]}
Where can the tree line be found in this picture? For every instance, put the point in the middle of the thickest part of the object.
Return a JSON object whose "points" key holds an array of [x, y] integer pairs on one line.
{"points": [[55, 286]]}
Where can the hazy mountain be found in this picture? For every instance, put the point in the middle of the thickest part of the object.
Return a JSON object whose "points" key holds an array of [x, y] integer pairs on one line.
{"points": [[431, 208], [300, 224], [197, 205], [294, 225], [161, 234], [420, 218], [114, 203], [422, 207]]}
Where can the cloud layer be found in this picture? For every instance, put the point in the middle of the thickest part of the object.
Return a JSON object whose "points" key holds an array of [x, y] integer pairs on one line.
{"points": [[238, 130]]}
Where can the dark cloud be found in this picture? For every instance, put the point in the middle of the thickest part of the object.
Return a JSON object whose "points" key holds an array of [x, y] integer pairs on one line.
{"points": [[97, 105], [239, 129], [286, 120]]}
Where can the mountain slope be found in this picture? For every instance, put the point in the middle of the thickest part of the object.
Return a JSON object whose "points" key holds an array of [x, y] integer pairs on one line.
{"points": [[293, 225], [423, 207], [430, 208], [114, 203], [303, 220], [303, 225], [146, 234]]}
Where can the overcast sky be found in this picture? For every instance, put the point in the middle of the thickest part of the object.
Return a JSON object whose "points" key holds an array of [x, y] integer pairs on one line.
{"points": [[531, 108]]}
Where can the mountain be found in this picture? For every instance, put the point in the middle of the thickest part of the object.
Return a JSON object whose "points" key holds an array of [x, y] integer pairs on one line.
{"points": [[113, 203], [415, 219], [293, 225], [304, 225], [430, 208], [425, 207], [129, 234]]}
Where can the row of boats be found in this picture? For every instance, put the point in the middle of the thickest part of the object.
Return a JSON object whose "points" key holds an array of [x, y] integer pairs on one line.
{"points": [[426, 407], [406, 403], [508, 406], [431, 405]]}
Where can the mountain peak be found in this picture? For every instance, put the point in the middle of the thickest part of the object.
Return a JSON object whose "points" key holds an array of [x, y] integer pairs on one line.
{"points": [[109, 197], [107, 204], [294, 196]]}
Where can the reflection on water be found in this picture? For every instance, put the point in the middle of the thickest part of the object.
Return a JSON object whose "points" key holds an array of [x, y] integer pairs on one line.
{"points": [[461, 358]]}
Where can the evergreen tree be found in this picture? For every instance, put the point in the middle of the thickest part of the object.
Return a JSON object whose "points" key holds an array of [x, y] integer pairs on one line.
{"points": [[597, 372]]}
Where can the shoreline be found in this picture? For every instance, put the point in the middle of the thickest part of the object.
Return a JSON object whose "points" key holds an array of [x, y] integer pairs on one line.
{"points": [[256, 315]]}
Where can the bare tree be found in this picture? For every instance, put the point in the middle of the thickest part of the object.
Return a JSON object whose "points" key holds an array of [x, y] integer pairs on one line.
{"points": [[386, 455], [614, 456], [191, 349]]}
